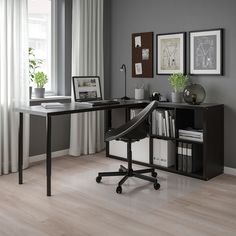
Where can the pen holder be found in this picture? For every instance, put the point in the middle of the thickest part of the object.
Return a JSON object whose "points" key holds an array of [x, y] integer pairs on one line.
{"points": [[139, 93]]}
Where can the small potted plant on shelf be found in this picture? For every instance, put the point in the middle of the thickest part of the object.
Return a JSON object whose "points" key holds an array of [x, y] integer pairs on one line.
{"points": [[34, 64], [178, 82], [40, 78]]}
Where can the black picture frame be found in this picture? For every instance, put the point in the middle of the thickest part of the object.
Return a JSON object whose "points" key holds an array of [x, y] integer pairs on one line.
{"points": [[176, 42], [91, 92], [206, 52]]}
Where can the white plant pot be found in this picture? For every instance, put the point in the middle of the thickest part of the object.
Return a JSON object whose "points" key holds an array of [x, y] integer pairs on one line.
{"points": [[39, 92], [139, 94], [176, 97]]}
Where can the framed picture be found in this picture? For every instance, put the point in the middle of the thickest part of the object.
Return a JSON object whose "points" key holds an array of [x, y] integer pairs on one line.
{"points": [[86, 88], [171, 53], [206, 52]]}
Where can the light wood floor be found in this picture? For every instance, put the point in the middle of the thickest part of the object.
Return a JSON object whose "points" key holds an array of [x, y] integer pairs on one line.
{"points": [[79, 206]]}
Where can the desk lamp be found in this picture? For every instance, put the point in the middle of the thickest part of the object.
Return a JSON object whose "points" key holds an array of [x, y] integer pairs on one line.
{"points": [[123, 69]]}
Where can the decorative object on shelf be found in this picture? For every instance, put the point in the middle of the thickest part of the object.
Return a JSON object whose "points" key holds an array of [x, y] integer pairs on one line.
{"points": [[40, 78], [142, 55], [194, 94], [34, 64], [170, 53], [123, 69], [139, 92], [206, 52], [178, 82], [155, 96]]}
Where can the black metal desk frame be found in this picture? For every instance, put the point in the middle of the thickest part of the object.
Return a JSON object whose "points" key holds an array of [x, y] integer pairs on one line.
{"points": [[70, 108]]}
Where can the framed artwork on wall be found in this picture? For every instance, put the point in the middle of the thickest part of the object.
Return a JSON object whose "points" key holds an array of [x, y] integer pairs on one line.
{"points": [[171, 53], [206, 57]]}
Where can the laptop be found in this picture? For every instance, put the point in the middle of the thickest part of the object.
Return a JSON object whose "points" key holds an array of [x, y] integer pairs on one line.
{"points": [[87, 91]]}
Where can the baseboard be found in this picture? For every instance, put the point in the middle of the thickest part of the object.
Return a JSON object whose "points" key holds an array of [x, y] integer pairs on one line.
{"points": [[54, 155], [229, 171]]}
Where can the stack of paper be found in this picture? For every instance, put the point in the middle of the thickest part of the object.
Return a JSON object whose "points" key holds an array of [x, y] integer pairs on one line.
{"points": [[51, 105]]}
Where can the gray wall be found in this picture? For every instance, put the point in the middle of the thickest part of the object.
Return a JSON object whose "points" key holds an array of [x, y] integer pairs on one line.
{"points": [[166, 16]]}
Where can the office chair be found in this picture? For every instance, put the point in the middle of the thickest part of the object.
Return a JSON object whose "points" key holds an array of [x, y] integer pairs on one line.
{"points": [[133, 131]]}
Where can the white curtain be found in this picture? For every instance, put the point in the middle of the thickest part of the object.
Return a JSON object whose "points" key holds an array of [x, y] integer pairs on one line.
{"points": [[14, 88], [87, 129]]}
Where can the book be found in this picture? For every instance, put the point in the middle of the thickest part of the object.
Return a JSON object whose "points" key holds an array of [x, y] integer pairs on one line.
{"points": [[51, 105], [160, 124], [191, 138], [191, 134], [167, 123], [180, 157], [173, 127], [154, 122]]}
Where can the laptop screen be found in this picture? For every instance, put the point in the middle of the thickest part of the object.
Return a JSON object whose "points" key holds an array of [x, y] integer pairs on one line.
{"points": [[87, 88]]}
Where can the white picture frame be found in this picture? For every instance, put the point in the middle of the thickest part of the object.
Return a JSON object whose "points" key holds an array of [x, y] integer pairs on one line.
{"points": [[171, 53]]}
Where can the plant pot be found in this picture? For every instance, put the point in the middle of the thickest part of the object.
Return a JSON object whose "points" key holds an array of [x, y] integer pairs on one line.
{"points": [[39, 92], [176, 97], [139, 93]]}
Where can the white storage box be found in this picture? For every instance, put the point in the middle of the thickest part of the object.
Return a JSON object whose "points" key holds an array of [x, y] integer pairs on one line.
{"points": [[140, 150]]}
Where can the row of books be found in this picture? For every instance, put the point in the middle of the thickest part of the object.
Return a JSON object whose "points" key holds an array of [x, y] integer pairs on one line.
{"points": [[163, 123], [191, 134]]}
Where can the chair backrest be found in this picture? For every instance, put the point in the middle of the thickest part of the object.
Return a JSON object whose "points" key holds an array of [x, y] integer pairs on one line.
{"points": [[131, 125]]}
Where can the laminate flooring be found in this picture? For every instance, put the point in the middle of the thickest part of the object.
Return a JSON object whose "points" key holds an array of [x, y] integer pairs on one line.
{"points": [[80, 207]]}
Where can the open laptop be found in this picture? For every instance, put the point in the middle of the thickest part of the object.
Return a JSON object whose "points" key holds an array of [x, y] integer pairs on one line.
{"points": [[87, 91]]}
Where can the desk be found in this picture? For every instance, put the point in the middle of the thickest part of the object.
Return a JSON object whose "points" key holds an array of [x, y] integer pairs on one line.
{"points": [[69, 108]]}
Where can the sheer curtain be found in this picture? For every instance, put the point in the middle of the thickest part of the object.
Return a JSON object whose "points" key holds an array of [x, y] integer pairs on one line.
{"points": [[87, 129], [14, 88]]}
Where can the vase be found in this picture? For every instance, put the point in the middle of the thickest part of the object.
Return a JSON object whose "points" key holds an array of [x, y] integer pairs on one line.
{"points": [[30, 92], [176, 97], [39, 92], [194, 94], [139, 93]]}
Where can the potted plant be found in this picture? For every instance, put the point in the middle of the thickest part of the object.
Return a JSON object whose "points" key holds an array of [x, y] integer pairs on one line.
{"points": [[33, 65], [40, 78], [178, 82]]}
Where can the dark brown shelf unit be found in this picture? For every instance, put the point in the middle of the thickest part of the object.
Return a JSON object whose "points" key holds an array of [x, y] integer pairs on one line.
{"points": [[210, 152]]}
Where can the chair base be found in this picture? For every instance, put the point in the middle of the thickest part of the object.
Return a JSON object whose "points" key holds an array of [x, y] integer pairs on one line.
{"points": [[126, 173]]}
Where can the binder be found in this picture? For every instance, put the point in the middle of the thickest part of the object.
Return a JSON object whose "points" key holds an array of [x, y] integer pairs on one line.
{"points": [[184, 155], [189, 158], [180, 157]]}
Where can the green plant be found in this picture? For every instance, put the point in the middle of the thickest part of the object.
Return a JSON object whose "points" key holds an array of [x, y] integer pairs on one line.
{"points": [[178, 81], [33, 64], [40, 78]]}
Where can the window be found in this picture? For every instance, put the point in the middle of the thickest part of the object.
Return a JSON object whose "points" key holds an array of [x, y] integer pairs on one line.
{"points": [[40, 32]]}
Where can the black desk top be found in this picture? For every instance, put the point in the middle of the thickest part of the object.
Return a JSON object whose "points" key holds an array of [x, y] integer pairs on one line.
{"points": [[70, 108]]}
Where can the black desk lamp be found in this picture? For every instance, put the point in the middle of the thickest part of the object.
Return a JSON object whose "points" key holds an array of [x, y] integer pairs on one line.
{"points": [[123, 69]]}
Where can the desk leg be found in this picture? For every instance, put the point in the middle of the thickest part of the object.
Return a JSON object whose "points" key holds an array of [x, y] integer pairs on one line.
{"points": [[49, 154], [20, 148]]}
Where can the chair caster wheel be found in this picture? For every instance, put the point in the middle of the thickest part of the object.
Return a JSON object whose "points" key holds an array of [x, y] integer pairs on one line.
{"points": [[154, 174], [120, 170], [156, 185], [98, 179], [119, 189]]}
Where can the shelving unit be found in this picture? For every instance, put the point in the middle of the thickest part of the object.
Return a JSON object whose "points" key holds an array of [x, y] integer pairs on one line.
{"points": [[209, 154]]}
